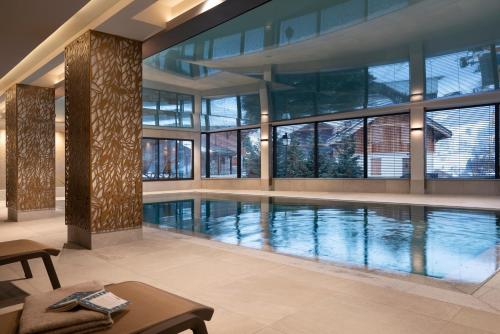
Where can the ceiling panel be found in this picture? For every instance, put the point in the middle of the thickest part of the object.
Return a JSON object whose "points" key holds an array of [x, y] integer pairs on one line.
{"points": [[26, 23]]}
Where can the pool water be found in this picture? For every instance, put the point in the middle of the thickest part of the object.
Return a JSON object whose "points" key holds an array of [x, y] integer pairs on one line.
{"points": [[456, 245]]}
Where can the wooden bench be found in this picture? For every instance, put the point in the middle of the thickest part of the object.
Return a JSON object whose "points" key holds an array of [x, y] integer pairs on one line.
{"points": [[151, 311], [24, 250]]}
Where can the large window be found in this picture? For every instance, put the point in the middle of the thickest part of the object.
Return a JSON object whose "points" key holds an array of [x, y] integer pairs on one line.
{"points": [[167, 109], [223, 158], [464, 72], [388, 84], [231, 154], [460, 143], [230, 111], [388, 146], [294, 150], [149, 159], [250, 153], [330, 91], [337, 149], [341, 149], [167, 159]]}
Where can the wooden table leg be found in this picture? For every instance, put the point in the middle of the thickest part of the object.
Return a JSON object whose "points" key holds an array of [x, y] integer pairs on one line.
{"points": [[199, 327], [47, 261], [26, 268]]}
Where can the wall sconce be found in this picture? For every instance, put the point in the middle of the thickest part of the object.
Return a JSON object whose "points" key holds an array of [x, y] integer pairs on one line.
{"points": [[416, 97]]}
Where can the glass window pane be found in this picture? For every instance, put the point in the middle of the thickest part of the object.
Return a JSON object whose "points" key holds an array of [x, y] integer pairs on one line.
{"points": [[388, 84], [185, 164], [168, 119], [389, 146], [298, 28], [294, 150], [168, 101], [225, 106], [186, 120], [203, 155], [250, 109], [186, 103], [254, 40], [149, 104], [168, 168], [149, 159], [460, 143], [293, 104], [222, 112], [175, 110], [168, 109], [342, 14], [341, 90], [223, 154], [227, 46], [218, 122], [464, 72], [381, 7], [250, 153], [341, 148], [498, 63]]}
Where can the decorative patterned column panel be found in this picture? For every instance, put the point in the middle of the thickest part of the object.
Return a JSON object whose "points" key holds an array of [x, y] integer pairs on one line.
{"points": [[30, 143], [103, 133]]}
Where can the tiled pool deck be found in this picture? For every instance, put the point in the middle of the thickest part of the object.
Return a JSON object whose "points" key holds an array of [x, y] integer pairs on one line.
{"points": [[260, 292]]}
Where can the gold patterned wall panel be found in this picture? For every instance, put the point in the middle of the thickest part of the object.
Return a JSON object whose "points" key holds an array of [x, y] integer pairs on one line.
{"points": [[77, 129], [31, 148], [11, 148], [114, 134]]}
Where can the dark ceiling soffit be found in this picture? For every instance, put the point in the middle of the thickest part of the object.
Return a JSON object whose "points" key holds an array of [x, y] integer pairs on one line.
{"points": [[194, 22]]}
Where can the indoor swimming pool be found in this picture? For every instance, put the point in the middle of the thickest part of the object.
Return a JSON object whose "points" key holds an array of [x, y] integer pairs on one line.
{"points": [[454, 245]]}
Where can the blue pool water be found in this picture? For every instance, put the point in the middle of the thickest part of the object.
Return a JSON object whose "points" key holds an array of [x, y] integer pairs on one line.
{"points": [[456, 245]]}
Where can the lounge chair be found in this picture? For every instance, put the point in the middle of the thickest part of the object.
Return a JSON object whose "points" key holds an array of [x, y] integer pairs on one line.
{"points": [[151, 311], [24, 250]]}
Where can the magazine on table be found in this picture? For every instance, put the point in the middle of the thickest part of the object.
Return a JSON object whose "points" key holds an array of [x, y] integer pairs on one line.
{"points": [[101, 301]]}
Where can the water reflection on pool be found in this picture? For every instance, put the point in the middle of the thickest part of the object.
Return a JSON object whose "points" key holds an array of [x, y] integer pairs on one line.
{"points": [[456, 245]]}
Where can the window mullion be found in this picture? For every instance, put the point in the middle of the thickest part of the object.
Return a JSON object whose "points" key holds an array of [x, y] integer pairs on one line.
{"points": [[238, 153]]}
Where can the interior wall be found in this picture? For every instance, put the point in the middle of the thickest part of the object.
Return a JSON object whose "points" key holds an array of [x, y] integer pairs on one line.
{"points": [[343, 185], [463, 187], [231, 184]]}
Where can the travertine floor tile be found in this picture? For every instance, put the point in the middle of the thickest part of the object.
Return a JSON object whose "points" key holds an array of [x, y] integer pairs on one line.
{"points": [[478, 320], [452, 328], [261, 293]]}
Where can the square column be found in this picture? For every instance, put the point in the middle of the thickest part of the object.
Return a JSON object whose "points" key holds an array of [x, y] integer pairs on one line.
{"points": [[417, 144], [197, 141], [30, 151], [103, 83], [265, 133]]}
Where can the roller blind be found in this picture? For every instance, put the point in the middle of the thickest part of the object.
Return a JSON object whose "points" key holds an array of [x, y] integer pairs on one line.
{"points": [[460, 143], [463, 72], [388, 146]]}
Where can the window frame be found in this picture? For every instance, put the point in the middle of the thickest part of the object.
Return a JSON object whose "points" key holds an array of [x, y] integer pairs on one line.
{"points": [[496, 131], [238, 153], [316, 94], [207, 106], [177, 142], [496, 83], [316, 147], [178, 112]]}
